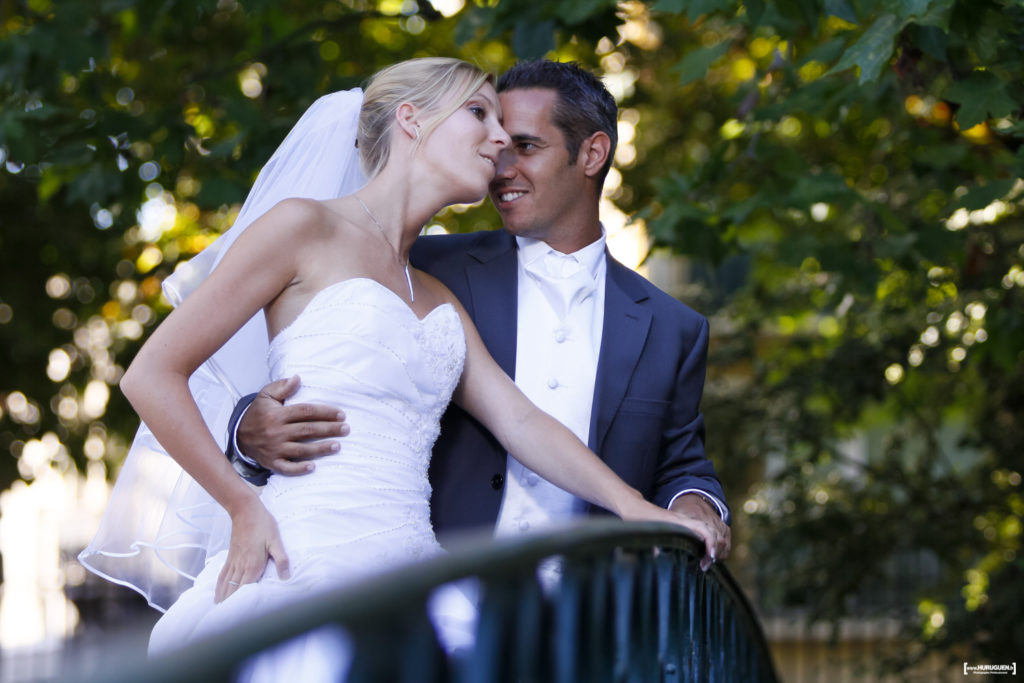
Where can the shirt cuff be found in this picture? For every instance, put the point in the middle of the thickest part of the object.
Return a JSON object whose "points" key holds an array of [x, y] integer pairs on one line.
{"points": [[708, 497], [234, 442]]}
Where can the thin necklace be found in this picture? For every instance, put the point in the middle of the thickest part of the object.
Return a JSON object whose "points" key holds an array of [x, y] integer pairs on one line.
{"points": [[408, 279]]}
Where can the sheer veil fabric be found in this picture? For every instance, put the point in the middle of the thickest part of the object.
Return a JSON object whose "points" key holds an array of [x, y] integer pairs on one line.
{"points": [[160, 526]]}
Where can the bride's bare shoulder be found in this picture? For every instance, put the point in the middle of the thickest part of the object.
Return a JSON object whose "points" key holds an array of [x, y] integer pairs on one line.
{"points": [[307, 218]]}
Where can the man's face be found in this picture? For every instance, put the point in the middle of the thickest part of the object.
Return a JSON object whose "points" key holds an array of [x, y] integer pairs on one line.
{"points": [[535, 189]]}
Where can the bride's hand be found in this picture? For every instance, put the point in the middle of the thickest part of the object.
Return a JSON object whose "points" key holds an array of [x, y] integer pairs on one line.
{"points": [[254, 538]]}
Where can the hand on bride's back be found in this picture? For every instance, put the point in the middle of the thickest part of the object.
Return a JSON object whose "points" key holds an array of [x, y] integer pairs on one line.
{"points": [[285, 439], [254, 539]]}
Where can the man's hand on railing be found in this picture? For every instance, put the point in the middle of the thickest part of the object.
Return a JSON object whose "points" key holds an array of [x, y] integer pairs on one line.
{"points": [[700, 517]]}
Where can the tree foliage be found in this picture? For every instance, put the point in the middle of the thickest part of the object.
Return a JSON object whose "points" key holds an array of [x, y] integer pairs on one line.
{"points": [[843, 176]]}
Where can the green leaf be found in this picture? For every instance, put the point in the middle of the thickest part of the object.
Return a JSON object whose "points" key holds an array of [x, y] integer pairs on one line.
{"points": [[823, 187], [987, 38], [930, 40], [217, 191], [841, 9], [20, 144], [691, 8], [942, 156], [671, 6], [755, 10], [826, 52], [798, 247], [695, 64], [474, 22], [805, 12], [937, 15], [698, 8], [895, 246], [980, 95], [49, 184], [980, 196], [873, 49], [739, 212], [911, 8], [533, 41], [572, 12]]}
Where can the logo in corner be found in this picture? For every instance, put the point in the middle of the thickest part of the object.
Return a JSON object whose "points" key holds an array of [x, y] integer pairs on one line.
{"points": [[990, 669]]}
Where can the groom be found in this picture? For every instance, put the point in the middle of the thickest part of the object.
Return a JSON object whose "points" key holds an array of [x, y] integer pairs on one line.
{"points": [[598, 347]]}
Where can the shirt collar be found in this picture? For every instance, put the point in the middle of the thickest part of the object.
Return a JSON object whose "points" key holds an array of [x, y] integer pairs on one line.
{"points": [[590, 257]]}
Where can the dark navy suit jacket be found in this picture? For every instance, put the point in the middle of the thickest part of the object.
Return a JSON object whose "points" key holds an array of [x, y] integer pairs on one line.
{"points": [[646, 422]]}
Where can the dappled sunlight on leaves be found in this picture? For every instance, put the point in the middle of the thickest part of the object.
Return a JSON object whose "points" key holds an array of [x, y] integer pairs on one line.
{"points": [[842, 178]]}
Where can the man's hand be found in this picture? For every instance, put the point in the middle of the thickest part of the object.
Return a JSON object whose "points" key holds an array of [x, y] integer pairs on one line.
{"points": [[705, 522], [285, 438]]}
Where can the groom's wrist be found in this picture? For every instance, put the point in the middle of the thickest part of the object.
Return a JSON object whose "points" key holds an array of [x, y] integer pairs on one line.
{"points": [[254, 474], [247, 468]]}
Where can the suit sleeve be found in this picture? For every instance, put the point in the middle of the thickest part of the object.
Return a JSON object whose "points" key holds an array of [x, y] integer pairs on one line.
{"points": [[247, 468], [683, 464]]}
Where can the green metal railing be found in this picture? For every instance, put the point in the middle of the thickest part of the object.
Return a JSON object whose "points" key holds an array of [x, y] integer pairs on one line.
{"points": [[631, 605]]}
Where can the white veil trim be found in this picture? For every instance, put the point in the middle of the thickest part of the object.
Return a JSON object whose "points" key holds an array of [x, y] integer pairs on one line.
{"points": [[160, 526]]}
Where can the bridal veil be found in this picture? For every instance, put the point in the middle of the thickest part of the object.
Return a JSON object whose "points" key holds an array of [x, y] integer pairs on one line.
{"points": [[160, 525]]}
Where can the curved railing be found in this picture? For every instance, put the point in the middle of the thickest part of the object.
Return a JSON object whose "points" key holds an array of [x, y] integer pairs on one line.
{"points": [[631, 605]]}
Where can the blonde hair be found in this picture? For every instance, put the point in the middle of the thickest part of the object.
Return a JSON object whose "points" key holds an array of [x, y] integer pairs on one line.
{"points": [[435, 85]]}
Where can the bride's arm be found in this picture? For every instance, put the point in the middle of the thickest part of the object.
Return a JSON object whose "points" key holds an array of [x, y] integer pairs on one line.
{"points": [[252, 273], [539, 441]]}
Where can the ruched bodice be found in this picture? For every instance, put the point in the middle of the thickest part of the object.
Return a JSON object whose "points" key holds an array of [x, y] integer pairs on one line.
{"points": [[359, 347]]}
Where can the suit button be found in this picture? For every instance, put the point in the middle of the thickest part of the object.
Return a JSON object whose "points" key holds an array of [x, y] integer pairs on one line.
{"points": [[497, 481]]}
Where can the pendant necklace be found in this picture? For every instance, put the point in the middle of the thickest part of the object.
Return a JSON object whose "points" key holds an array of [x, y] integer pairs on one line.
{"points": [[408, 279]]}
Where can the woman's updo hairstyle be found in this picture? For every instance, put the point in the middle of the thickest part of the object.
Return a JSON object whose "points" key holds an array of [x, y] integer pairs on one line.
{"points": [[437, 86]]}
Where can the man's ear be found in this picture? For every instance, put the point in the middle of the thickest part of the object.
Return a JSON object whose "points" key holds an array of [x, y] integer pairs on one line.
{"points": [[406, 117], [594, 153]]}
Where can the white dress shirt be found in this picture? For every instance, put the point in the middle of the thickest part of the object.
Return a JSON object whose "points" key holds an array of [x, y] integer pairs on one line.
{"points": [[558, 339]]}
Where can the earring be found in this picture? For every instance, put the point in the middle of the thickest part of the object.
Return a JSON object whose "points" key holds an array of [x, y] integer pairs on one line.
{"points": [[417, 131]]}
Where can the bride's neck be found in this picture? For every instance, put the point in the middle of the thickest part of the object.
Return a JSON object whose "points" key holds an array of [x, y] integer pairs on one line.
{"points": [[400, 209]]}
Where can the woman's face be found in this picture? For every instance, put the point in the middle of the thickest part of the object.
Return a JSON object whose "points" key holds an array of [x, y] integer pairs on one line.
{"points": [[464, 148]]}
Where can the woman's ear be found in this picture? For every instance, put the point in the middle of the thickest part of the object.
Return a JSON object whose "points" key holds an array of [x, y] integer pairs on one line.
{"points": [[594, 153], [407, 119]]}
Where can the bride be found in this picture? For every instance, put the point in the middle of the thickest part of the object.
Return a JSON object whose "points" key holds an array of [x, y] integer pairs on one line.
{"points": [[387, 343]]}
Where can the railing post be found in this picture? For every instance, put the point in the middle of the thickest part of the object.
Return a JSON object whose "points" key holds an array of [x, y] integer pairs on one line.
{"points": [[412, 642], [643, 651], [566, 609], [493, 657], [596, 626], [670, 655], [623, 576], [716, 639], [533, 619]]}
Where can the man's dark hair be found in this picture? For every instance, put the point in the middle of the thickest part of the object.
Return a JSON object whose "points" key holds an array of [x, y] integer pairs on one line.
{"points": [[583, 105]]}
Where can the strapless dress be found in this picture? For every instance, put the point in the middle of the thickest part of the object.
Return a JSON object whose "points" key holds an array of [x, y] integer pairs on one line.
{"points": [[359, 347]]}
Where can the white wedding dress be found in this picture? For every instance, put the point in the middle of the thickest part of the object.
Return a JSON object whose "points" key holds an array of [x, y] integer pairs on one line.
{"points": [[359, 347]]}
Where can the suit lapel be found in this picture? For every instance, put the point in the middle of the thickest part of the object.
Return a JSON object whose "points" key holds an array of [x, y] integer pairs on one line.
{"points": [[493, 276], [627, 322]]}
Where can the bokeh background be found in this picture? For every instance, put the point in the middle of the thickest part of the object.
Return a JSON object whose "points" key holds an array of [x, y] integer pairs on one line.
{"points": [[836, 184]]}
